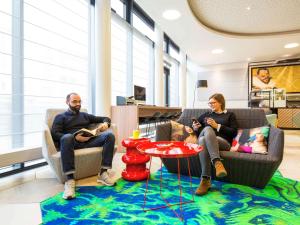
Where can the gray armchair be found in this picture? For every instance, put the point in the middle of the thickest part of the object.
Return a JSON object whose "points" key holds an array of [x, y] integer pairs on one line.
{"points": [[87, 161], [247, 169]]}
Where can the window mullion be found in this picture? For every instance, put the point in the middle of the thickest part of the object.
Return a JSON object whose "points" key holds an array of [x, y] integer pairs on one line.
{"points": [[18, 72], [129, 62], [92, 60]]}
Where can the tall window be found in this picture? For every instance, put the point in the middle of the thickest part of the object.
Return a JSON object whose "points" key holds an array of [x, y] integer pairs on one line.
{"points": [[174, 83], [143, 52], [5, 74], [119, 57], [132, 58], [171, 56], [143, 56], [46, 57]]}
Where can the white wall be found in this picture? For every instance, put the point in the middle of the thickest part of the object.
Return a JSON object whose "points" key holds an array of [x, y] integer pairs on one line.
{"points": [[229, 79]]}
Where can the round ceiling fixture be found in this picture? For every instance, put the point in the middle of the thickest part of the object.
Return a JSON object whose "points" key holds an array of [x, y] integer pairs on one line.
{"points": [[291, 45], [217, 51], [171, 14]]}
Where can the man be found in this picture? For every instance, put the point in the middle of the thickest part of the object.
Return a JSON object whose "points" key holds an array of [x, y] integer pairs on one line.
{"points": [[63, 129], [262, 80]]}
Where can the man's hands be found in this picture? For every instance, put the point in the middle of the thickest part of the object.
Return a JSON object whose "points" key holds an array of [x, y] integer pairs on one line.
{"points": [[81, 138], [102, 127]]}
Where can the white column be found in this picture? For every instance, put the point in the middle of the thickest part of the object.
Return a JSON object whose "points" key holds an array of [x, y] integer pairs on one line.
{"points": [[103, 57], [182, 81], [159, 67]]}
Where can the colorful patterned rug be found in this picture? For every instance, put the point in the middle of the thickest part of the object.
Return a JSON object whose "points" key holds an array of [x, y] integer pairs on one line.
{"points": [[278, 203]]}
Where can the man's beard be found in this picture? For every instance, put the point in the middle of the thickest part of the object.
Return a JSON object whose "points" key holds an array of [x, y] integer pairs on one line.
{"points": [[75, 109]]}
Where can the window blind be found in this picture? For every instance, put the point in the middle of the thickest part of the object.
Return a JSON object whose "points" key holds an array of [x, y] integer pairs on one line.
{"points": [[6, 77], [132, 60], [46, 57], [143, 63], [174, 80], [119, 57]]}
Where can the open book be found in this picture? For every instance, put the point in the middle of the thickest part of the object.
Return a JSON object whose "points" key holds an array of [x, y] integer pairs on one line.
{"points": [[88, 133]]}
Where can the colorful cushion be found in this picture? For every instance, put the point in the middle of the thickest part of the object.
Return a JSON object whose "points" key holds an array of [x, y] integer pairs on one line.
{"points": [[184, 133], [251, 140]]}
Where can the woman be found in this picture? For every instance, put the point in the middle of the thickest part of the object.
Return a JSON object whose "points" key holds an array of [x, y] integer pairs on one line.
{"points": [[215, 130]]}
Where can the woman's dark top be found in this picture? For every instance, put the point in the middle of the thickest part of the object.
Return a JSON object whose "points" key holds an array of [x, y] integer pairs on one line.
{"points": [[228, 129]]}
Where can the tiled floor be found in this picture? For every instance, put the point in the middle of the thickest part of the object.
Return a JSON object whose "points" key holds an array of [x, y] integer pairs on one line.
{"points": [[21, 194]]}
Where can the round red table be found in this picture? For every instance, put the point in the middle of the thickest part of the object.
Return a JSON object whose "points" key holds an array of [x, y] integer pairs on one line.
{"points": [[170, 149], [135, 161]]}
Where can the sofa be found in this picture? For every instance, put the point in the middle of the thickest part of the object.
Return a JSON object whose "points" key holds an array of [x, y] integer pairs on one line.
{"points": [[87, 160], [253, 170]]}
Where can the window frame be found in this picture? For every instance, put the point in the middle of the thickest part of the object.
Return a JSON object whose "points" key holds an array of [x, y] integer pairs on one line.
{"points": [[19, 157], [132, 7]]}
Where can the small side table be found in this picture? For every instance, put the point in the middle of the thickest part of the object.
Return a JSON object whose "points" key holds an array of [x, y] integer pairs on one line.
{"points": [[135, 161], [170, 149]]}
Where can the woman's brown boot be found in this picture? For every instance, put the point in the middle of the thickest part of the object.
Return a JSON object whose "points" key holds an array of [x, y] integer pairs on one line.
{"points": [[204, 185], [220, 170]]}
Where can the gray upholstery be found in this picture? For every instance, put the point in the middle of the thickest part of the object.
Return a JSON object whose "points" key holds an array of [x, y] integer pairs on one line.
{"points": [[247, 169], [87, 160]]}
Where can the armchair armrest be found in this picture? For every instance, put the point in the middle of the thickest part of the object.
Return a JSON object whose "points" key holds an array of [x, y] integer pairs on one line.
{"points": [[48, 147], [276, 143], [113, 128], [163, 132]]}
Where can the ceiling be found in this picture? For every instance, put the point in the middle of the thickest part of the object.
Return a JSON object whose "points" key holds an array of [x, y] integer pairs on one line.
{"points": [[248, 18], [229, 26]]}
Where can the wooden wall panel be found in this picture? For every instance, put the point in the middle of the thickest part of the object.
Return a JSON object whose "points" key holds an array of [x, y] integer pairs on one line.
{"points": [[127, 118], [285, 118]]}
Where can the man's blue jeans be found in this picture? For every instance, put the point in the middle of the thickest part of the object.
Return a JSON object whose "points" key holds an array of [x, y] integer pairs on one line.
{"points": [[68, 144]]}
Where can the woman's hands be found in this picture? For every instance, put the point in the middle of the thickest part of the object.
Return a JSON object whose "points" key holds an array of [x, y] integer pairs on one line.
{"points": [[212, 123], [196, 125]]}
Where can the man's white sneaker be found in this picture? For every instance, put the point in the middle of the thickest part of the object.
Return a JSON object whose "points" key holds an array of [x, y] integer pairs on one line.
{"points": [[69, 192], [105, 179]]}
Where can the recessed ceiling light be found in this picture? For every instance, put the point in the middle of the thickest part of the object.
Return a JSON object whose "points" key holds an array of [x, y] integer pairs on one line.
{"points": [[291, 45], [217, 51], [286, 55], [248, 8], [248, 59], [171, 14]]}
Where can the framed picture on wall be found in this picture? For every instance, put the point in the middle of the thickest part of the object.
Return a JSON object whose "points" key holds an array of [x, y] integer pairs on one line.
{"points": [[277, 76]]}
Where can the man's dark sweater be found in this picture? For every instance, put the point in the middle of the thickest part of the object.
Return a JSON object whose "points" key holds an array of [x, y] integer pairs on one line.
{"points": [[228, 129], [69, 122]]}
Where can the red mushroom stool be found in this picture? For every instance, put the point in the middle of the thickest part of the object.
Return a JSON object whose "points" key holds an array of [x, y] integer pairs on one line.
{"points": [[135, 161]]}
